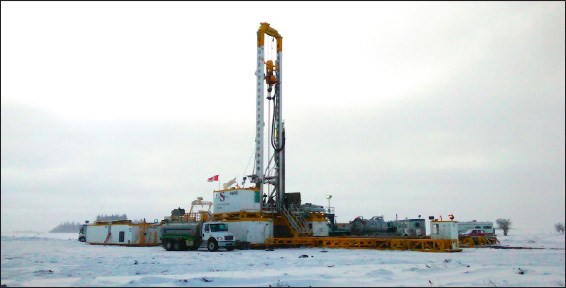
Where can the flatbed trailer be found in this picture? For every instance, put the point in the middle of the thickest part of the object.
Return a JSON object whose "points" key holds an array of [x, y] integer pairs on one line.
{"points": [[477, 241], [414, 244]]}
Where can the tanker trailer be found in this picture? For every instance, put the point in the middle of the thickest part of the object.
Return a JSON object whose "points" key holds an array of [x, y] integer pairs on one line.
{"points": [[190, 235]]}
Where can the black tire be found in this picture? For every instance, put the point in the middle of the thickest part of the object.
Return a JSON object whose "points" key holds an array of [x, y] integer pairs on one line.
{"points": [[244, 246], [168, 245], [229, 248], [82, 239], [179, 245], [195, 246], [212, 245]]}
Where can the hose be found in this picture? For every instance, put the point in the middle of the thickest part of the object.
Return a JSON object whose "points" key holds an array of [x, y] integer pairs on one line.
{"points": [[277, 149]]}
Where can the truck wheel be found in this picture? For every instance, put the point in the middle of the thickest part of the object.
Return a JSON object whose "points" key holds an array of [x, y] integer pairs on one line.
{"points": [[195, 246], [168, 245], [212, 245], [229, 248], [179, 245]]}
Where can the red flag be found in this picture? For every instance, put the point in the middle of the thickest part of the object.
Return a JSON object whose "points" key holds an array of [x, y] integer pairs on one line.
{"points": [[213, 178]]}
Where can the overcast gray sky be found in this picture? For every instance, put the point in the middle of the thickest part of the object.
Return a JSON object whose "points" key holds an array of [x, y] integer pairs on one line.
{"points": [[394, 108]]}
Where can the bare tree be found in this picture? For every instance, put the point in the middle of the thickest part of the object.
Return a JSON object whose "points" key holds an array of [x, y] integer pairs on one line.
{"points": [[559, 227], [503, 224]]}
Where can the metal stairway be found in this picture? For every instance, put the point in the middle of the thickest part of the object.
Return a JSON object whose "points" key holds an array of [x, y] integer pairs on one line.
{"points": [[296, 220]]}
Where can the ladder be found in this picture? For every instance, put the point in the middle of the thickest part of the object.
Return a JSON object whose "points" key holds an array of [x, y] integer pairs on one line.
{"points": [[296, 220], [109, 234]]}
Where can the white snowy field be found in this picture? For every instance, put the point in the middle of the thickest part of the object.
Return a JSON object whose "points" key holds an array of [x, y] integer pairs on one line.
{"points": [[47, 259]]}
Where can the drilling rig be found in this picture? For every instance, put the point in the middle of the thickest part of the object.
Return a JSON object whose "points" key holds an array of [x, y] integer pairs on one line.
{"points": [[264, 210], [264, 213]]}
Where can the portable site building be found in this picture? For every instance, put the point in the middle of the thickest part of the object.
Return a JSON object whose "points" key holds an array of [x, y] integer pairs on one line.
{"points": [[123, 232], [410, 227], [445, 230]]}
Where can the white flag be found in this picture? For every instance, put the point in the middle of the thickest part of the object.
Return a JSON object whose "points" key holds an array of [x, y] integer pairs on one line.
{"points": [[229, 183]]}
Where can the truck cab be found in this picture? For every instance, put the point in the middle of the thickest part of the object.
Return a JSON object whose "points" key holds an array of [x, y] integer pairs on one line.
{"points": [[217, 236], [82, 233]]}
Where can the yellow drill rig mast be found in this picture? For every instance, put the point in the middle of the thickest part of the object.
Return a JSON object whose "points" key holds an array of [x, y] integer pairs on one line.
{"points": [[269, 73]]}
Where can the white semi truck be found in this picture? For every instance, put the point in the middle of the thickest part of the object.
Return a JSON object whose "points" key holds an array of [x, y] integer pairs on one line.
{"points": [[190, 235]]}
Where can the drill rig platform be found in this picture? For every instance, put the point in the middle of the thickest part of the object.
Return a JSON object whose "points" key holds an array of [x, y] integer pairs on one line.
{"points": [[264, 214]]}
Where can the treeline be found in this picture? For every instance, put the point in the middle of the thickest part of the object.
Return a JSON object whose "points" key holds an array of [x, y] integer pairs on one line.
{"points": [[67, 227], [73, 227], [113, 217]]}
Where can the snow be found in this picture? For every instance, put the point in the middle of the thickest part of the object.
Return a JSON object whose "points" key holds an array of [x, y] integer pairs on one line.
{"points": [[53, 259]]}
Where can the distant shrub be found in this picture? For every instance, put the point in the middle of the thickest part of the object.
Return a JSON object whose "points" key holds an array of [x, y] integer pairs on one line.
{"points": [[74, 227], [67, 227], [559, 227], [503, 224], [113, 217]]}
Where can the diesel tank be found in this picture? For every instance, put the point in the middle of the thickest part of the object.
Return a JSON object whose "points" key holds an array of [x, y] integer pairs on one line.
{"points": [[374, 225]]}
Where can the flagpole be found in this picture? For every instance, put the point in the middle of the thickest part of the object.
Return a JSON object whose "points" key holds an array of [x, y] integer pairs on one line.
{"points": [[218, 183]]}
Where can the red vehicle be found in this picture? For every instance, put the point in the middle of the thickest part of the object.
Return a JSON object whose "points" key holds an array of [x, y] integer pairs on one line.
{"points": [[474, 232]]}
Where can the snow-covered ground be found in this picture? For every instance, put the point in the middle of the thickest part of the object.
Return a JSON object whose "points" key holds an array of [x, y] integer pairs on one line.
{"points": [[47, 259]]}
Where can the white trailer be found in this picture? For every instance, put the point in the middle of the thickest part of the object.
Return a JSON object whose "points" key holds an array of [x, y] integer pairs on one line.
{"points": [[123, 232], [250, 233]]}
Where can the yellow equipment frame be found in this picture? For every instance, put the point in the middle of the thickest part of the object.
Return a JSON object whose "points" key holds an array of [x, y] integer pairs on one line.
{"points": [[478, 241], [423, 245]]}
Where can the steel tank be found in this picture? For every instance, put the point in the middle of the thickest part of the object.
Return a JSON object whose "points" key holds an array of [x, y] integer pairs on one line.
{"points": [[373, 225], [185, 228]]}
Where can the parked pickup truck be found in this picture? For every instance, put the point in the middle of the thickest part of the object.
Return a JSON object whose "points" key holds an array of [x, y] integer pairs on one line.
{"points": [[473, 232]]}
